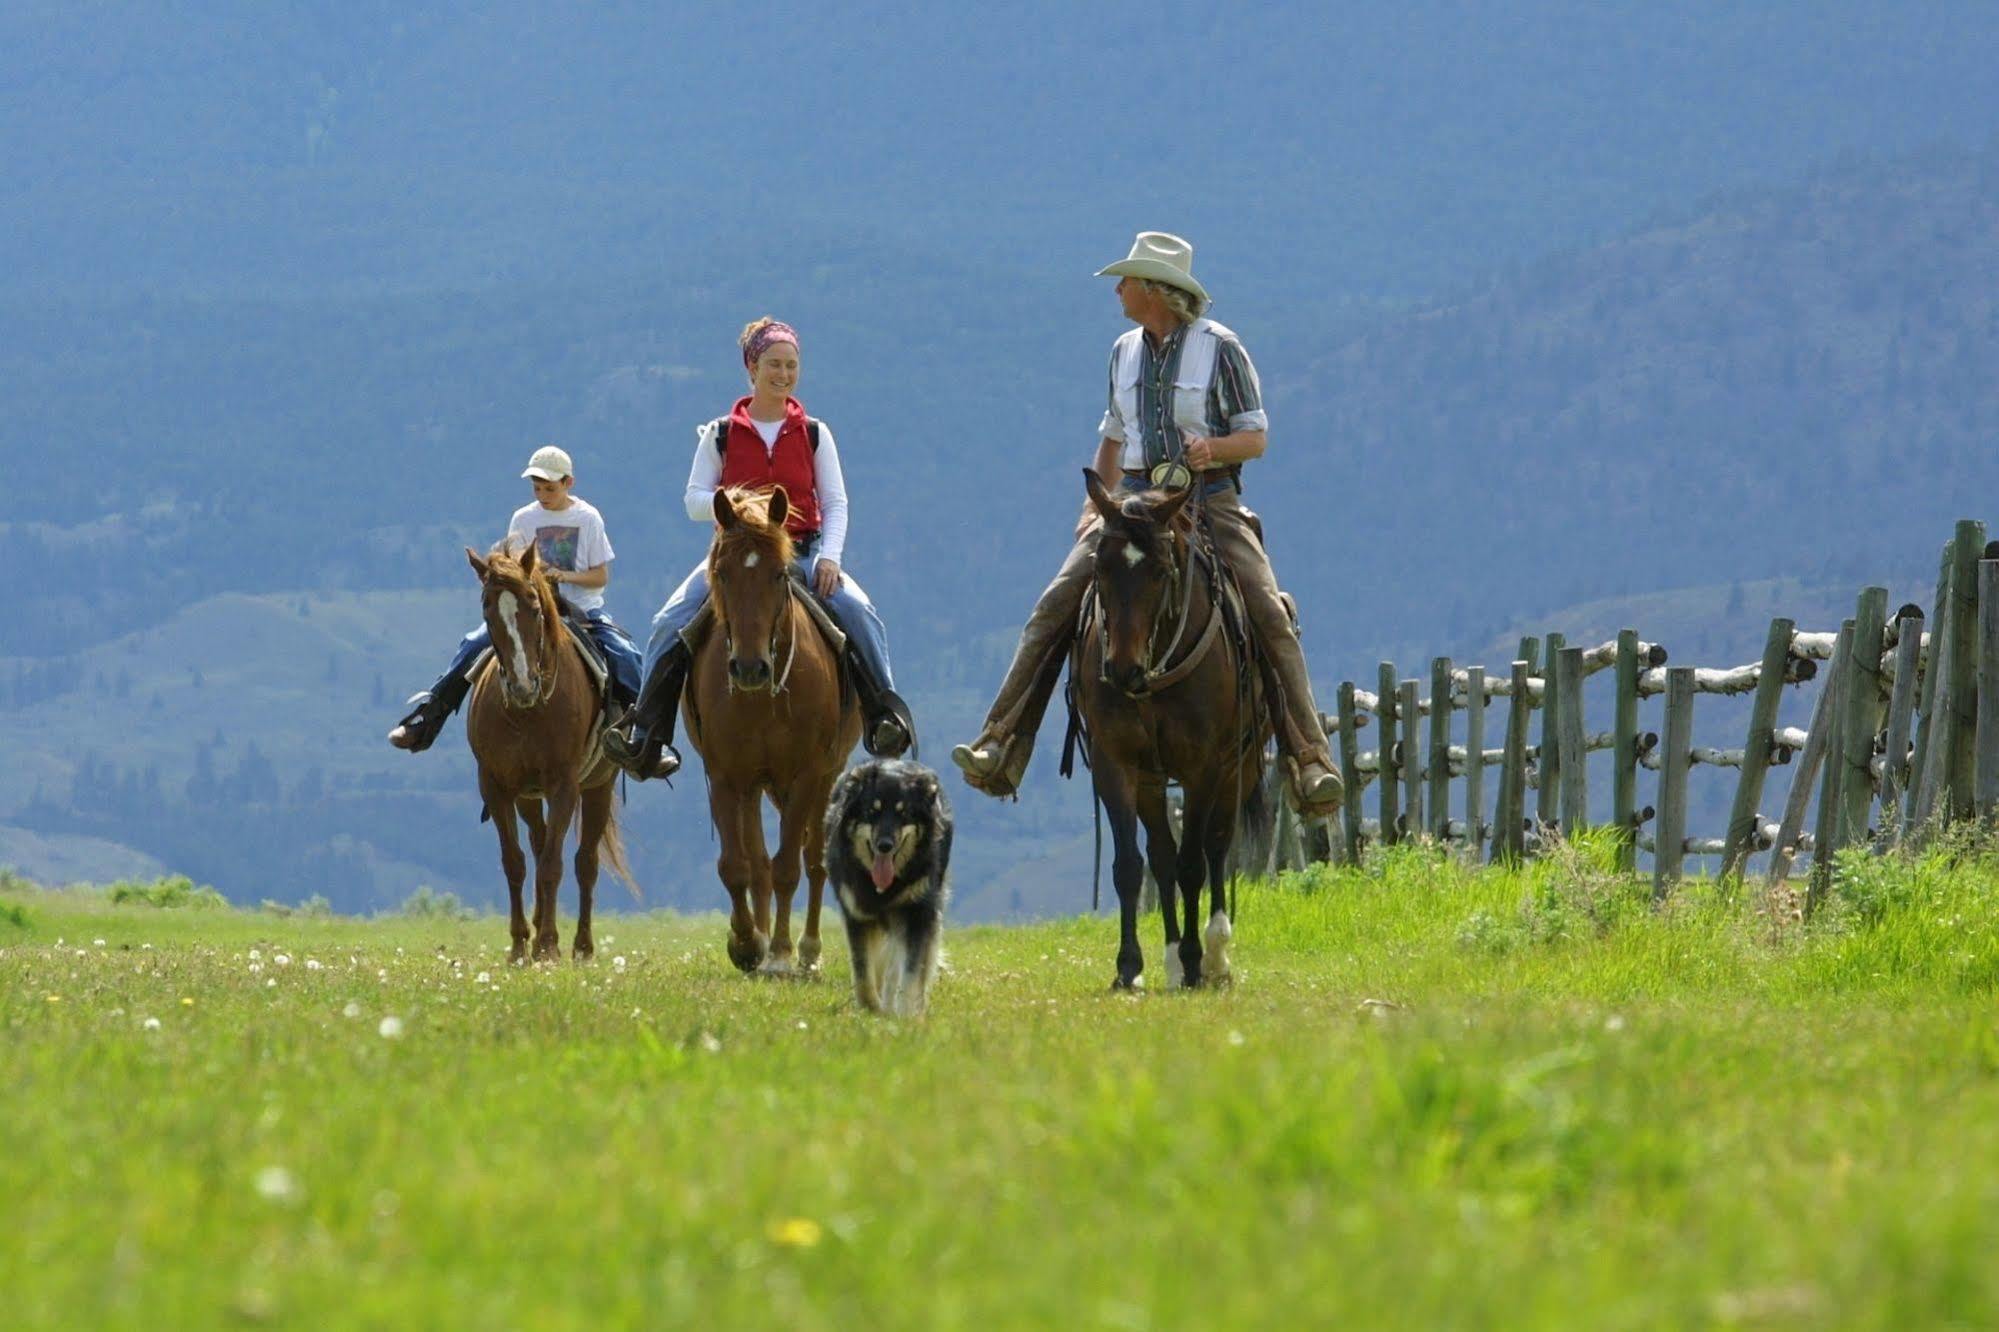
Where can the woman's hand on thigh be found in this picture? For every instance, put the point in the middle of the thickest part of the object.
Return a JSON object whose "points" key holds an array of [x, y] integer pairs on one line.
{"points": [[825, 577]]}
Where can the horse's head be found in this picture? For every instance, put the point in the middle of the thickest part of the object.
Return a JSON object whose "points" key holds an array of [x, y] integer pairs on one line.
{"points": [[1141, 565], [524, 621], [748, 563]]}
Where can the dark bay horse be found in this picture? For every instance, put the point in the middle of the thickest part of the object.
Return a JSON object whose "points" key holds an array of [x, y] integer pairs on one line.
{"points": [[1165, 698], [771, 716], [532, 725]]}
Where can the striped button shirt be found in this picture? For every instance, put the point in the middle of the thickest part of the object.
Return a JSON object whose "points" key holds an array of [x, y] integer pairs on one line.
{"points": [[1199, 380]]}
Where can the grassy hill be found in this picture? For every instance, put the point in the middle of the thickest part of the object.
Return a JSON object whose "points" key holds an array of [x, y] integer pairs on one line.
{"points": [[1432, 1099]]}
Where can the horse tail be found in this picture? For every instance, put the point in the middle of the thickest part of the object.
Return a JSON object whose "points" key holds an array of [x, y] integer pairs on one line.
{"points": [[611, 847]]}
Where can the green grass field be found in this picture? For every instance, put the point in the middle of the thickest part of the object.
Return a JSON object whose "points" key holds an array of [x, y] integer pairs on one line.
{"points": [[1433, 1099]]}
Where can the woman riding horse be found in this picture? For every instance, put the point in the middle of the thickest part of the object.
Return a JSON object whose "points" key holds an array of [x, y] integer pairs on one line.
{"points": [[766, 442], [1185, 409]]}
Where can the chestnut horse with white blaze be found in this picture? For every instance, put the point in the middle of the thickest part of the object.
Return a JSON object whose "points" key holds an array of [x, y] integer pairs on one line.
{"points": [[532, 726], [1166, 697], [772, 716]]}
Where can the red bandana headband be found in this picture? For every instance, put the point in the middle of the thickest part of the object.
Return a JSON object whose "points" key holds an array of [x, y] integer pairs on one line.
{"points": [[761, 340]]}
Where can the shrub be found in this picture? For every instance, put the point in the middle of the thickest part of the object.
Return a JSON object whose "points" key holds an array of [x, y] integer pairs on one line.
{"points": [[428, 904], [13, 916], [173, 892], [315, 907]]}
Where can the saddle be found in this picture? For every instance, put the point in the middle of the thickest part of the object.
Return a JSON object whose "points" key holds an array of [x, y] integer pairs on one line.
{"points": [[830, 632]]}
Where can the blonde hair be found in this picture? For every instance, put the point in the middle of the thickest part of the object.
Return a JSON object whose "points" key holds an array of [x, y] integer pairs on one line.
{"points": [[1184, 304]]}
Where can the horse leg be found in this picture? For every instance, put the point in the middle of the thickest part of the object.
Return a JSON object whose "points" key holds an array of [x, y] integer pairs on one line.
{"points": [[512, 862], [1127, 869], [815, 875], [1193, 872], [731, 810], [759, 855], [596, 818], [1160, 859], [795, 813], [548, 872], [530, 808], [1220, 931]]}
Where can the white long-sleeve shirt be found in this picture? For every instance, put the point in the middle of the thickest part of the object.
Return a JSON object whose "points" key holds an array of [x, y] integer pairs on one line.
{"points": [[704, 478]]}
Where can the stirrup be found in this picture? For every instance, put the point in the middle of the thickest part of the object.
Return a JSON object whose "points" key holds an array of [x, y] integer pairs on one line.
{"points": [[417, 724], [641, 760], [887, 737]]}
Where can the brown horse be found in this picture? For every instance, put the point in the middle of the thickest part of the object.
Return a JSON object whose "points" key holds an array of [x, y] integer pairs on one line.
{"points": [[768, 710], [532, 725], [1165, 697]]}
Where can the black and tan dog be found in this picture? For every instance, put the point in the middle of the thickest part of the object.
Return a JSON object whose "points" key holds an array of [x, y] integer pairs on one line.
{"points": [[888, 846]]}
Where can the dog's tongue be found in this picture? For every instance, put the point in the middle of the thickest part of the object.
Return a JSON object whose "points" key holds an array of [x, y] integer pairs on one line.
{"points": [[883, 871]]}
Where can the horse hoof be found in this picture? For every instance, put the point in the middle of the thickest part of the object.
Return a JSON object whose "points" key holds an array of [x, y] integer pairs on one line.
{"points": [[1123, 983], [808, 955], [747, 954], [583, 953], [518, 954], [778, 965]]}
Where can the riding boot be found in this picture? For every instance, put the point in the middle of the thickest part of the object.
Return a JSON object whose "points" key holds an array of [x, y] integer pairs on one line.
{"points": [[888, 729], [643, 745], [429, 711]]}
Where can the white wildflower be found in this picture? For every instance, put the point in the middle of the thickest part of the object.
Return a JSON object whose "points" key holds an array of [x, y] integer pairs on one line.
{"points": [[282, 959], [352, 1010], [151, 1024], [391, 1028], [277, 1184], [98, 942], [312, 964], [482, 978]]}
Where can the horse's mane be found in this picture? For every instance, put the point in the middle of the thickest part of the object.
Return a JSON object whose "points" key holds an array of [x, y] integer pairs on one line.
{"points": [[504, 563], [753, 530], [1137, 508]]}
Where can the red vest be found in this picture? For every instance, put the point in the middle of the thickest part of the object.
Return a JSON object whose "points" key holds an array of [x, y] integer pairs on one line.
{"points": [[788, 464]]}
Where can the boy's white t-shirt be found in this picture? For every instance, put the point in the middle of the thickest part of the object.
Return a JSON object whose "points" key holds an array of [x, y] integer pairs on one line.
{"points": [[572, 539]]}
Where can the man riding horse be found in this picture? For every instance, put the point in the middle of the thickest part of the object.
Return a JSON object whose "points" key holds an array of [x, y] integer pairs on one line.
{"points": [[1185, 408]]}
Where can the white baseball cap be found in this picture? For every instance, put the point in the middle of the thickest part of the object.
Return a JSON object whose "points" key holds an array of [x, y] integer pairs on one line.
{"points": [[549, 464]]}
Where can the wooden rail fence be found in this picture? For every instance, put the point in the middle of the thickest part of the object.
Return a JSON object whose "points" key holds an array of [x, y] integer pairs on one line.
{"points": [[1903, 737]]}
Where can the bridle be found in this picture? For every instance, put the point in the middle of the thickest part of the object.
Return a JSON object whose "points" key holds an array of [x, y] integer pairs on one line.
{"points": [[546, 667], [1161, 671], [779, 620]]}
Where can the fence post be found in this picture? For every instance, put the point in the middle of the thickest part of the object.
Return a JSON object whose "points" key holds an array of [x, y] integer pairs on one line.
{"points": [[1569, 738], [1926, 707], [1895, 752], [1862, 716], [1475, 761], [1624, 758], [1350, 773], [1831, 802], [1548, 806], [1959, 762], [1412, 760], [1742, 815], [1440, 748], [1508, 839], [1817, 740], [1530, 646], [1388, 795], [1986, 772], [1669, 840]]}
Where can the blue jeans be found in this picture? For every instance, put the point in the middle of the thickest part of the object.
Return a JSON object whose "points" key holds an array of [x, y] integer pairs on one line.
{"points": [[620, 653], [850, 607]]}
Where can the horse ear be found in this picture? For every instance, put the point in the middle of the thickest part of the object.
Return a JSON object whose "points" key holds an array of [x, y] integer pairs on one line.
{"points": [[725, 512], [780, 505], [1099, 497], [1168, 509], [529, 555], [479, 566]]}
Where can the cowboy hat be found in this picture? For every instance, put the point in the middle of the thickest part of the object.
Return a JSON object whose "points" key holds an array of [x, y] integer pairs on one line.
{"points": [[1161, 257]]}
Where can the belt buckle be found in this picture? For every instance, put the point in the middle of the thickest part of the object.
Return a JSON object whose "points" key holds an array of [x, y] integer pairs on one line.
{"points": [[1172, 476]]}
